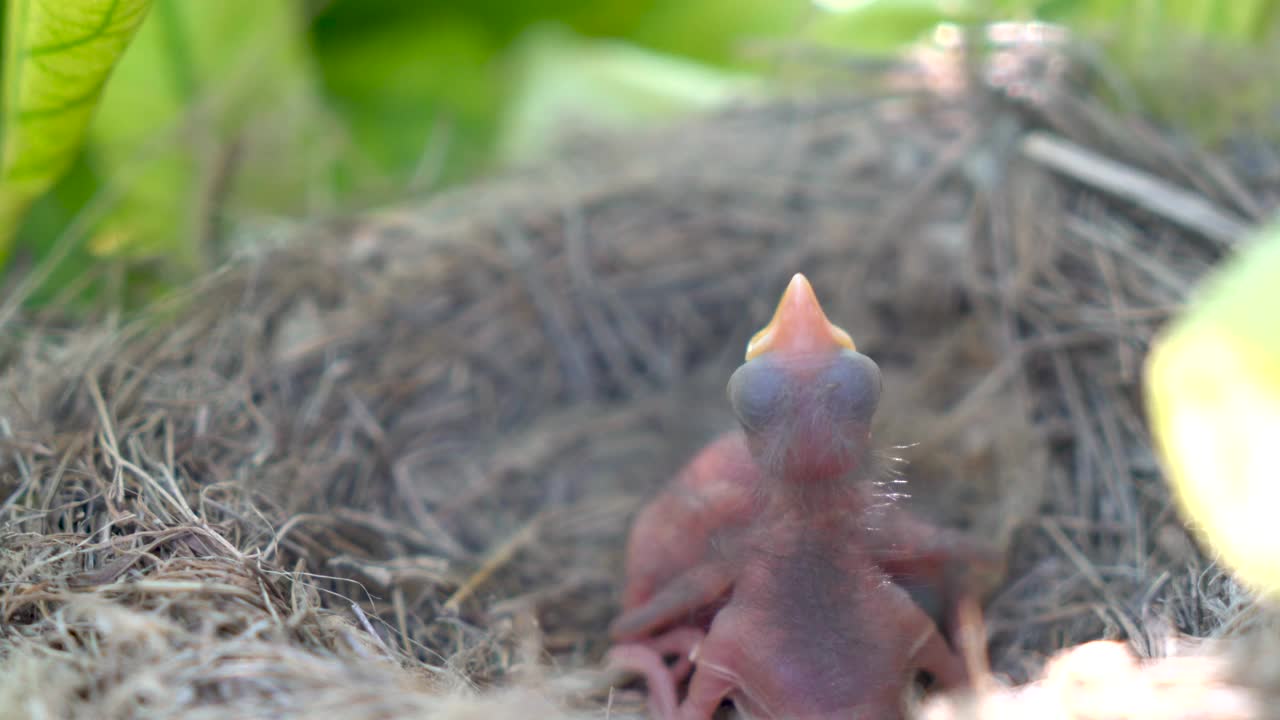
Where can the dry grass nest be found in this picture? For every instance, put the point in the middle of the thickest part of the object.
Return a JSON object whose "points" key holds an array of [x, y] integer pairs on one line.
{"points": [[385, 470]]}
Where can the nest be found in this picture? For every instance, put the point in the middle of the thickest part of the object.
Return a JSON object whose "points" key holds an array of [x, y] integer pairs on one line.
{"points": [[385, 470]]}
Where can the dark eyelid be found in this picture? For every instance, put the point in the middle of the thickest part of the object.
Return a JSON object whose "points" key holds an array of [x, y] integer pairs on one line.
{"points": [[844, 388], [853, 385], [755, 392]]}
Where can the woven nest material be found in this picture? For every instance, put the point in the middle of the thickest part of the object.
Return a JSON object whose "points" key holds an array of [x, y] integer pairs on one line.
{"points": [[386, 469]]}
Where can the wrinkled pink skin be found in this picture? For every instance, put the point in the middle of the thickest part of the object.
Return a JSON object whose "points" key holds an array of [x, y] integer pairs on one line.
{"points": [[792, 597]]}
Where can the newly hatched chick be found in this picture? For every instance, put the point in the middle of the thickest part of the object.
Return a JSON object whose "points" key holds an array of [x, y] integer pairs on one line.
{"points": [[758, 560]]}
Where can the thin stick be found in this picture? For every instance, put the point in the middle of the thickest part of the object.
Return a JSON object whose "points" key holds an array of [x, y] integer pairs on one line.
{"points": [[500, 556], [1188, 209], [1090, 574], [368, 627], [402, 618]]}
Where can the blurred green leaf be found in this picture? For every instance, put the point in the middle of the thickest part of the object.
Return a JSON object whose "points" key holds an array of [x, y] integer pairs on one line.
{"points": [[420, 96], [1212, 387], [881, 27], [58, 56], [214, 102], [1143, 26], [1201, 65], [569, 82], [716, 31], [47, 220], [503, 20]]}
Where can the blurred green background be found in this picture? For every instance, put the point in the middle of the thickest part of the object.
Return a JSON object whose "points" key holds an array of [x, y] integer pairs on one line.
{"points": [[145, 140]]}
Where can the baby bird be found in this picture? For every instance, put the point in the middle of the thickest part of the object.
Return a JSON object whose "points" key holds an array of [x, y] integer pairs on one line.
{"points": [[763, 568]]}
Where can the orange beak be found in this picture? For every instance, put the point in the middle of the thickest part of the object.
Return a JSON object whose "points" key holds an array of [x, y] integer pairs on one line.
{"points": [[799, 325]]}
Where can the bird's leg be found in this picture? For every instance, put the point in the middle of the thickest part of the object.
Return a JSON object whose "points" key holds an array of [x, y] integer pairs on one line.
{"points": [[643, 660], [706, 691], [927, 649], [648, 658], [941, 568], [688, 593]]}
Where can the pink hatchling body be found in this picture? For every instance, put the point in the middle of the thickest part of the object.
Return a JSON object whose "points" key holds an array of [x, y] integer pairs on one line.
{"points": [[769, 566]]}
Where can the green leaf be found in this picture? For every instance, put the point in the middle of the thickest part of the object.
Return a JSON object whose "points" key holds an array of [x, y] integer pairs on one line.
{"points": [[1212, 388], [58, 56], [566, 81], [420, 95], [212, 110], [717, 31], [882, 27]]}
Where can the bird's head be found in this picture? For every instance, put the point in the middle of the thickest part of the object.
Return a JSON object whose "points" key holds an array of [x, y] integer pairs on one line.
{"points": [[805, 396]]}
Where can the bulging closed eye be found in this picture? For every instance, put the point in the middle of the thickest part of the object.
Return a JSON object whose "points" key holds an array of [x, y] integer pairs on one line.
{"points": [[757, 391], [850, 387]]}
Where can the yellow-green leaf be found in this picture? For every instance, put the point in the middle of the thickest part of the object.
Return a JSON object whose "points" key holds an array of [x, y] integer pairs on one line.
{"points": [[1213, 395], [58, 56]]}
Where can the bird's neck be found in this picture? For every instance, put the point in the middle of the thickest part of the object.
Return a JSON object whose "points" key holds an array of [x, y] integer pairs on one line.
{"points": [[819, 496]]}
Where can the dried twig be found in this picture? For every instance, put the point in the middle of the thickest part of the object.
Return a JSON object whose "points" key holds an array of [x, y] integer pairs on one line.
{"points": [[1147, 191]]}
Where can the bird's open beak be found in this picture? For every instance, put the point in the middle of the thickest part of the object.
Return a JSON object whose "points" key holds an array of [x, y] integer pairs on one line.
{"points": [[799, 325]]}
